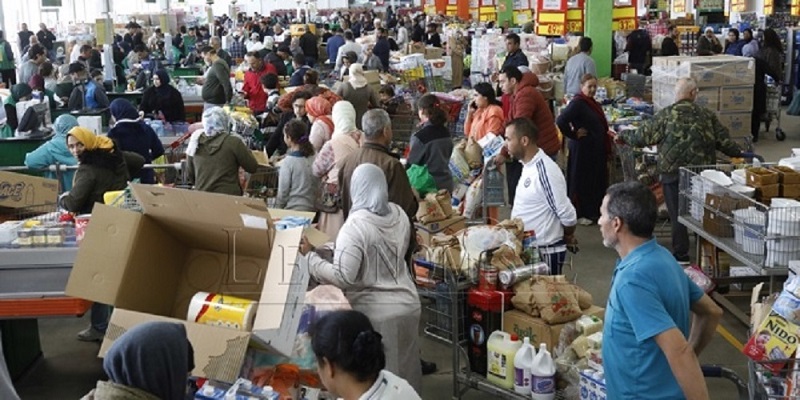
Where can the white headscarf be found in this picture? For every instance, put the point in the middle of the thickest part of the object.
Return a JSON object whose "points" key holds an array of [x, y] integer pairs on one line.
{"points": [[369, 190], [215, 121], [344, 118], [356, 77]]}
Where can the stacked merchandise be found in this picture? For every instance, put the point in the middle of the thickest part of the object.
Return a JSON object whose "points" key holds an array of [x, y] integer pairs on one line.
{"points": [[488, 52], [772, 347], [725, 86]]}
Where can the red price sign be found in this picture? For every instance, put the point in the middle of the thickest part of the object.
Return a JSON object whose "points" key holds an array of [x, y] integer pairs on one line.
{"points": [[550, 29], [574, 26]]}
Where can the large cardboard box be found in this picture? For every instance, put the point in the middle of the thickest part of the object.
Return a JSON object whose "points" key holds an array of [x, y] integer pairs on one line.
{"points": [[524, 325], [717, 219], [737, 71], [425, 232], [708, 98], [149, 265], [791, 191], [20, 190], [736, 98], [433, 53], [737, 122], [705, 71]]}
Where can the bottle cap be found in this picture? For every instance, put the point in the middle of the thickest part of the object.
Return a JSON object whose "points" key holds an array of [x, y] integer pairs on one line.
{"points": [[514, 337]]}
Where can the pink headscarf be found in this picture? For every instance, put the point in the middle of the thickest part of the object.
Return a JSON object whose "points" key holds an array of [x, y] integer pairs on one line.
{"points": [[36, 81], [320, 108]]}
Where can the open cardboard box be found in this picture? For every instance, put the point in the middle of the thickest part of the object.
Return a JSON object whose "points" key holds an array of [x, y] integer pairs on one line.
{"points": [[149, 265]]}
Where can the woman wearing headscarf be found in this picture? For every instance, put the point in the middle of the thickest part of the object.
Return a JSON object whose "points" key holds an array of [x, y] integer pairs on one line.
{"points": [[151, 361], [485, 114], [215, 155], [162, 100], [584, 123], [132, 134], [345, 141], [19, 92], [319, 113], [310, 85], [102, 167], [37, 85], [55, 151], [370, 268], [358, 93]]}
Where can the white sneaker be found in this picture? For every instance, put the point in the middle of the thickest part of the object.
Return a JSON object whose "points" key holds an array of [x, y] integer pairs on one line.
{"points": [[90, 335], [585, 221]]}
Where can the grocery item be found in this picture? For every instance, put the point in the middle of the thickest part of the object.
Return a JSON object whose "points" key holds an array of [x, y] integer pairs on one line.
{"points": [[501, 351], [484, 314], [55, 236], [221, 310], [774, 340], [543, 375], [588, 324], [522, 367], [512, 276], [24, 237], [81, 221], [39, 237]]}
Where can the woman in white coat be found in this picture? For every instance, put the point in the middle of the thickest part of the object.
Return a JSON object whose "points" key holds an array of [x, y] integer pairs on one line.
{"points": [[370, 268]]}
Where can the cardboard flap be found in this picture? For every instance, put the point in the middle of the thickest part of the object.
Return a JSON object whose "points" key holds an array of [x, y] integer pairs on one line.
{"points": [[208, 220], [102, 258], [283, 294], [218, 352]]}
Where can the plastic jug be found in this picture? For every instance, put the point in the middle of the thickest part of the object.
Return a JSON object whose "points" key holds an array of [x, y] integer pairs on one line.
{"points": [[543, 375], [522, 367], [501, 349]]}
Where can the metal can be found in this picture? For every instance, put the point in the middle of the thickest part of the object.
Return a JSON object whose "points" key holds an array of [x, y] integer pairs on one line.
{"points": [[39, 237], [530, 253], [24, 237], [487, 277], [55, 236], [512, 276]]}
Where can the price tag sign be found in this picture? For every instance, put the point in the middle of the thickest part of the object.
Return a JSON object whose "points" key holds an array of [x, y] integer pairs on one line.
{"points": [[679, 6], [628, 24], [552, 5], [624, 18], [573, 4], [550, 29], [796, 10], [623, 3], [575, 20], [738, 5], [769, 7]]}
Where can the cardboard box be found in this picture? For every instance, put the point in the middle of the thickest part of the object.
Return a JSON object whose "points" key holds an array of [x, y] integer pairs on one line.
{"points": [[768, 192], [524, 325], [433, 53], [737, 71], [20, 190], [708, 98], [759, 176], [736, 98], [786, 175], [737, 122], [425, 232], [717, 220], [149, 265], [705, 71], [791, 191]]}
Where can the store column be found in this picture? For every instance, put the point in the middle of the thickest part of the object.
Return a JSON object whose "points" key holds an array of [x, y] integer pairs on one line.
{"points": [[597, 21]]}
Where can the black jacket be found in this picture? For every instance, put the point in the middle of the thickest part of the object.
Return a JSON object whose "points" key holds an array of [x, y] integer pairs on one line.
{"points": [[275, 141], [277, 62], [669, 48], [516, 59], [308, 43], [171, 104], [99, 172], [432, 147]]}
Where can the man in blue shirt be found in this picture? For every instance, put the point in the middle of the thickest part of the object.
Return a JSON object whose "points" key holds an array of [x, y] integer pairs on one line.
{"points": [[333, 44], [652, 301]]}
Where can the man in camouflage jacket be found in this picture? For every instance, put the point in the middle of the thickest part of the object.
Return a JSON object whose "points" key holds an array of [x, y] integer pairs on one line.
{"points": [[686, 134]]}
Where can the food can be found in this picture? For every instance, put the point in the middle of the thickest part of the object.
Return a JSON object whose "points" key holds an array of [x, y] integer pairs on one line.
{"points": [[222, 310], [487, 277], [511, 276], [81, 221], [39, 237], [24, 238], [55, 236]]}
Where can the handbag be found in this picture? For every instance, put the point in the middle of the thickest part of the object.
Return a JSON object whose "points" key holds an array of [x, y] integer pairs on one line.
{"points": [[329, 201]]}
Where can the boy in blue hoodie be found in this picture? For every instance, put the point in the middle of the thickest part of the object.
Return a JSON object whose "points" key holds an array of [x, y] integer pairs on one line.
{"points": [[55, 151]]}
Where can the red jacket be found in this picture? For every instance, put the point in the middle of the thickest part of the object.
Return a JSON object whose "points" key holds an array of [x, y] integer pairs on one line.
{"points": [[256, 98], [529, 103]]}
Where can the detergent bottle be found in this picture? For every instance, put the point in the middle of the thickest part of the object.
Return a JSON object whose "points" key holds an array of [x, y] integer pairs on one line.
{"points": [[543, 375], [501, 349], [522, 367]]}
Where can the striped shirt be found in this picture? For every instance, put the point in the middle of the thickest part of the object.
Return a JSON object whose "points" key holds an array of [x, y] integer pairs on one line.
{"points": [[542, 203]]}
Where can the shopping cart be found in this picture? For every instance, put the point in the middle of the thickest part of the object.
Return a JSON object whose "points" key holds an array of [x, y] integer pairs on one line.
{"points": [[262, 184], [774, 110], [403, 126], [766, 383]]}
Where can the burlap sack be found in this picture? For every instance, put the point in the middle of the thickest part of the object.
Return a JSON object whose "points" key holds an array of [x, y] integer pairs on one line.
{"points": [[430, 211], [515, 226], [557, 302], [505, 258], [444, 199], [474, 154], [524, 300]]}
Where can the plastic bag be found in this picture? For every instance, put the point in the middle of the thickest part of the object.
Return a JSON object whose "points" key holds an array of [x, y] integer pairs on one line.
{"points": [[474, 154], [421, 180], [473, 199], [459, 167], [699, 278], [478, 239]]}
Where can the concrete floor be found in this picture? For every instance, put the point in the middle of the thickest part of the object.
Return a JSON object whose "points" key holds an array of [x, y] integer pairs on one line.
{"points": [[70, 368]]}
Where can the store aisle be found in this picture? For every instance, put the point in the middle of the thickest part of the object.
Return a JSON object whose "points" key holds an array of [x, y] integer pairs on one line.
{"points": [[70, 368]]}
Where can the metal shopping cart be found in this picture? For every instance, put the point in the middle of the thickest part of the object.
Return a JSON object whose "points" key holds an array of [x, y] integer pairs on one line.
{"points": [[262, 184], [774, 110]]}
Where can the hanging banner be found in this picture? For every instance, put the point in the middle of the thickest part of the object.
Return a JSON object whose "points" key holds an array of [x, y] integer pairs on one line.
{"points": [[551, 5], [738, 6], [451, 11], [487, 14], [624, 16], [520, 5], [795, 10], [679, 7], [505, 11], [710, 5], [575, 16], [522, 17], [551, 17]]}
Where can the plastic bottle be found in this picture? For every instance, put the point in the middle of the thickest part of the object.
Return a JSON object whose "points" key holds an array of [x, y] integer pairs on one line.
{"points": [[543, 375], [522, 367], [501, 349]]}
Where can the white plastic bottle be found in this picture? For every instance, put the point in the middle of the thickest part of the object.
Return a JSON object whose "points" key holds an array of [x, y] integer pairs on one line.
{"points": [[543, 375], [522, 367]]}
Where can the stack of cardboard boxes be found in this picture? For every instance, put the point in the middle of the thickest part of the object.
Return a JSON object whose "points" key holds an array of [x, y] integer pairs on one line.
{"points": [[766, 181], [725, 86], [789, 180]]}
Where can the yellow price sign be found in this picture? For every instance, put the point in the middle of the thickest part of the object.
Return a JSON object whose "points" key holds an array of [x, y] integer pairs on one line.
{"points": [[550, 29], [795, 10], [679, 6], [627, 24], [575, 26]]}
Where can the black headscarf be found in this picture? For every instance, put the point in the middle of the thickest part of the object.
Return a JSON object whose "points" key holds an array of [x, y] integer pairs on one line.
{"points": [[155, 357]]}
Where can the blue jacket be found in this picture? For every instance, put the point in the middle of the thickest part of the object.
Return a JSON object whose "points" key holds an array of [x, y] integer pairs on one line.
{"points": [[297, 76], [55, 151], [332, 47], [137, 137], [382, 50]]}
